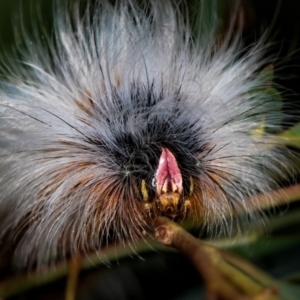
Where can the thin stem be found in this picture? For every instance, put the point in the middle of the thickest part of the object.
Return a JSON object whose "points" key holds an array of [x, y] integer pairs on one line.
{"points": [[224, 280], [73, 274]]}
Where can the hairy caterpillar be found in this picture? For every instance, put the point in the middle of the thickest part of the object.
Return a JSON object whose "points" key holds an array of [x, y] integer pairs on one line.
{"points": [[125, 115]]}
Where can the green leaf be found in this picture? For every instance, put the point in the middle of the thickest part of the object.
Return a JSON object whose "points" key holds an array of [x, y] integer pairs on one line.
{"points": [[291, 137]]}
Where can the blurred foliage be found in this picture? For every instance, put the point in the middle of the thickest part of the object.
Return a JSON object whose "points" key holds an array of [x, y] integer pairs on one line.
{"points": [[124, 275]]}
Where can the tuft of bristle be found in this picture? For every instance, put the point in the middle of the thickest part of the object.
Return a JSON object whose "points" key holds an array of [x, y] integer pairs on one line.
{"points": [[84, 120]]}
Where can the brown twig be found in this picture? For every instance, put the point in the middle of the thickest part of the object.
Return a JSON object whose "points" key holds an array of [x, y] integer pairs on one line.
{"points": [[73, 274], [222, 280], [279, 197]]}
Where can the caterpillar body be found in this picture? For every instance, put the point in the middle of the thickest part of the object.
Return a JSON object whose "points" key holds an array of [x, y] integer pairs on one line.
{"points": [[126, 115]]}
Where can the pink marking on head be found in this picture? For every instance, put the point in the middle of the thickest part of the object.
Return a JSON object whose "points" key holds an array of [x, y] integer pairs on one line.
{"points": [[168, 176]]}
